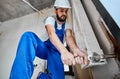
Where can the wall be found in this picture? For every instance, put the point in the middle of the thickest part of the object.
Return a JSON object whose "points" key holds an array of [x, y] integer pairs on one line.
{"points": [[10, 32], [10, 9]]}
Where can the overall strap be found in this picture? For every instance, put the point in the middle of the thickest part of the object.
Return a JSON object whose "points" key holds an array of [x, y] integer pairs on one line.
{"points": [[60, 32], [63, 25]]}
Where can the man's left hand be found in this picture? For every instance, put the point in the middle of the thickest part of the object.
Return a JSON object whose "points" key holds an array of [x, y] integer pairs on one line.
{"points": [[80, 57]]}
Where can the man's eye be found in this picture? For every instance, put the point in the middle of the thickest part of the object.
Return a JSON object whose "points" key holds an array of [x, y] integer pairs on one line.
{"points": [[61, 11]]}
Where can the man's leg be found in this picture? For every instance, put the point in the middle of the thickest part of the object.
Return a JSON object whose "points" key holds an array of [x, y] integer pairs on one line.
{"points": [[55, 67], [28, 48]]}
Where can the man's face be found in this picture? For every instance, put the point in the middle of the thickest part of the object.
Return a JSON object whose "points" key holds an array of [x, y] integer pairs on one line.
{"points": [[61, 14]]}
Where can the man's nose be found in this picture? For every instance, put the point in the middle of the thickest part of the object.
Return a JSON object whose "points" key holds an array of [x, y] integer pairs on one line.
{"points": [[64, 13]]}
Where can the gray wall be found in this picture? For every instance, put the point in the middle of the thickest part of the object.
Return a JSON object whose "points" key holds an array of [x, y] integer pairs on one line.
{"points": [[10, 9], [10, 32]]}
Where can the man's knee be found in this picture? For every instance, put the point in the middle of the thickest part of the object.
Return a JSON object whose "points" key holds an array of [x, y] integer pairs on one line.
{"points": [[28, 33]]}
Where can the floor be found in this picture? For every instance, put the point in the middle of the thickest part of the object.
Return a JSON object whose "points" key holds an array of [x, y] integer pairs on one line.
{"points": [[40, 66]]}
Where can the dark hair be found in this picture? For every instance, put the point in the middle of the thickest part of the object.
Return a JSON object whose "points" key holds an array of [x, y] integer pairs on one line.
{"points": [[55, 8]]}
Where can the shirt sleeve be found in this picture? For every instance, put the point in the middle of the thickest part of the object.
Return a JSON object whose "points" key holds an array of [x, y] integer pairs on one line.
{"points": [[50, 20], [68, 26]]}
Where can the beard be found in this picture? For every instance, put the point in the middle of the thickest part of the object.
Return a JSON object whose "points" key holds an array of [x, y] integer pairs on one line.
{"points": [[61, 19]]}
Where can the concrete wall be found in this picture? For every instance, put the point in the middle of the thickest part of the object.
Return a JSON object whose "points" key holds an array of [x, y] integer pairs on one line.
{"points": [[10, 32], [10, 9]]}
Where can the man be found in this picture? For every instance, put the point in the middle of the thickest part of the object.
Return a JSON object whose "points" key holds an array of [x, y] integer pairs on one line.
{"points": [[51, 50]]}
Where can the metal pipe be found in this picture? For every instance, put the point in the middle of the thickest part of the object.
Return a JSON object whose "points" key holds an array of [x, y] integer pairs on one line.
{"points": [[30, 5]]}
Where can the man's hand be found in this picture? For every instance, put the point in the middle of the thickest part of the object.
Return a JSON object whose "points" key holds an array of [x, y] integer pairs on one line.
{"points": [[80, 57], [67, 58]]}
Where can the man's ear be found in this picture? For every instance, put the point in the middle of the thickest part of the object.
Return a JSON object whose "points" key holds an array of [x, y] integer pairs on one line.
{"points": [[55, 11]]}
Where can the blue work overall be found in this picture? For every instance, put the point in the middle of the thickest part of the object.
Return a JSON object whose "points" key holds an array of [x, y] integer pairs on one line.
{"points": [[29, 47]]}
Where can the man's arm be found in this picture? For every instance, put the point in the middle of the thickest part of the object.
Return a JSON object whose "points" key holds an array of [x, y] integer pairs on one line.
{"points": [[80, 56], [66, 56]]}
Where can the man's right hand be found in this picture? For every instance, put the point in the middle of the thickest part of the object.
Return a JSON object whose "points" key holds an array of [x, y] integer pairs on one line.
{"points": [[67, 58]]}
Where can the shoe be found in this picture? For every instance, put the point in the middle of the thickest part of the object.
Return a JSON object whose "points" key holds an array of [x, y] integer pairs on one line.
{"points": [[39, 67]]}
